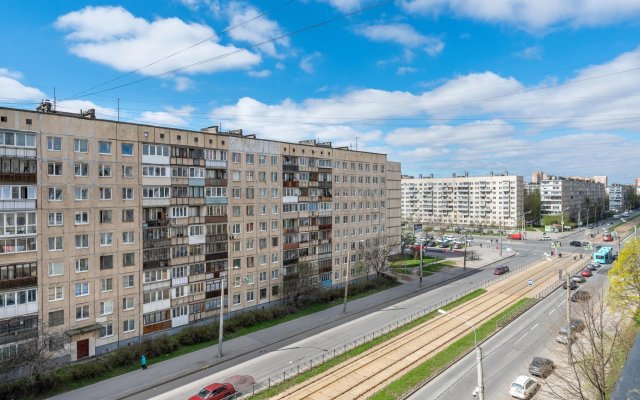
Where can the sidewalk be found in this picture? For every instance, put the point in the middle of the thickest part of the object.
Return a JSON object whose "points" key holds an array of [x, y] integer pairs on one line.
{"points": [[249, 346]]}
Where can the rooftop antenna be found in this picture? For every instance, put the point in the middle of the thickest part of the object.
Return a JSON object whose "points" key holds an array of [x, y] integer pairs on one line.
{"points": [[356, 143]]}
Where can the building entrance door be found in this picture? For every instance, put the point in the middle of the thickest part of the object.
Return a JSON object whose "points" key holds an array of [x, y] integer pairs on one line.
{"points": [[82, 349]]}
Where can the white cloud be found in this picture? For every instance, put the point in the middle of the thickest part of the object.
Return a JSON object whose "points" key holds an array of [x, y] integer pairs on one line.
{"points": [[406, 70], [11, 89], [344, 5], [280, 66], [531, 53], [402, 34], [257, 30], [172, 116], [306, 63], [260, 74], [75, 106], [532, 14], [113, 36], [183, 83]]}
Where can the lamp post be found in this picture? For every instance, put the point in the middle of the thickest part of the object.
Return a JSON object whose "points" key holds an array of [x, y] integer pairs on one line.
{"points": [[221, 323], [480, 388]]}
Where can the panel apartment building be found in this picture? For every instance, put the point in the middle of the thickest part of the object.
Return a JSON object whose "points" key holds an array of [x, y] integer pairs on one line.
{"points": [[112, 231], [575, 197], [490, 201]]}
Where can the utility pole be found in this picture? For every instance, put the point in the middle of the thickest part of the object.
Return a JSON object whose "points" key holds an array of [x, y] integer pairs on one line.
{"points": [[420, 272], [221, 322], [346, 285], [569, 319], [464, 262], [501, 239], [480, 377]]}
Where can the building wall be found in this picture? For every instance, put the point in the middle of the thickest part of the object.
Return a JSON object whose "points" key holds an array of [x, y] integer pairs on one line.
{"points": [[464, 201], [157, 232], [572, 197]]}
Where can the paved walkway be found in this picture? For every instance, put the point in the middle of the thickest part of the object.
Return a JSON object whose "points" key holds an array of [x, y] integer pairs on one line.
{"points": [[248, 346]]}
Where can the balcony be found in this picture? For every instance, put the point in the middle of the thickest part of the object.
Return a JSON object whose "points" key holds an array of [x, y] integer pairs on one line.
{"points": [[216, 200], [19, 282], [290, 168], [294, 229], [218, 182], [290, 246], [323, 227], [155, 222], [222, 237], [156, 327], [219, 164], [212, 219], [290, 184], [10, 177], [26, 204]]}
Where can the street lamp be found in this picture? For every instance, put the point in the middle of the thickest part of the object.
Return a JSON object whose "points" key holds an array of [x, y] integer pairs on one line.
{"points": [[346, 286], [221, 323], [480, 388]]}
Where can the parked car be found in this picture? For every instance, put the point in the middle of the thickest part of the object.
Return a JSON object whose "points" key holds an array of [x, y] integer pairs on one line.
{"points": [[215, 391], [503, 269], [575, 243], [545, 238], [578, 278], [577, 325], [585, 244], [563, 338], [591, 267], [572, 285], [586, 272], [580, 295], [523, 387], [541, 366]]}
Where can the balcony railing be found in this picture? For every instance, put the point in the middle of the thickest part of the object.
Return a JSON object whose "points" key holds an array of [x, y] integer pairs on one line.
{"points": [[9, 177], [20, 282]]}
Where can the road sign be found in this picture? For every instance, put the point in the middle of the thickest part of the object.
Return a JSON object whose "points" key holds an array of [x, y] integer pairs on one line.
{"points": [[530, 282]]}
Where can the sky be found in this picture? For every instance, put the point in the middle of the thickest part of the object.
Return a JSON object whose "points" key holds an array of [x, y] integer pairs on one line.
{"points": [[443, 86]]}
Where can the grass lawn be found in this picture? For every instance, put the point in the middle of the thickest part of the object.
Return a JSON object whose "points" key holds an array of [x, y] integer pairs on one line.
{"points": [[443, 359], [433, 268], [274, 390], [412, 262]]}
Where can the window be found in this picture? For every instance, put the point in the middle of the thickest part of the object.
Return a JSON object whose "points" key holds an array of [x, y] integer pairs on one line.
{"points": [[129, 325], [275, 273], [127, 215], [250, 296], [235, 158], [104, 147], [127, 149], [82, 265], [82, 289], [274, 160], [106, 262], [81, 193], [55, 243], [128, 237], [106, 307], [81, 169], [105, 171], [80, 145], [82, 217], [127, 281], [105, 193], [128, 303], [105, 216], [128, 259], [127, 171], [82, 241], [56, 218], [249, 158], [263, 276], [82, 312], [56, 268], [106, 284], [56, 318], [54, 143], [56, 293], [236, 299], [106, 238], [262, 159], [127, 193], [106, 330], [55, 194], [54, 169]]}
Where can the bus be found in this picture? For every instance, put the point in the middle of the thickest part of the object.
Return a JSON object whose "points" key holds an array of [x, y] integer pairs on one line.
{"points": [[604, 255]]}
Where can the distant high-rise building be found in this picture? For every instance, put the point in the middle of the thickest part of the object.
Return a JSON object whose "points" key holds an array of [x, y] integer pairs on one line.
{"points": [[537, 176], [637, 182], [602, 179], [573, 197]]}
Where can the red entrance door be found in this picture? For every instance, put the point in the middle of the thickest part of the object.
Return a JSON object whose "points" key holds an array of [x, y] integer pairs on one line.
{"points": [[82, 348]]}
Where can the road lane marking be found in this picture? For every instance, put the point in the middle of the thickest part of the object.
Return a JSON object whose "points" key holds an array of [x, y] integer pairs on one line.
{"points": [[521, 337], [534, 327], [552, 311]]}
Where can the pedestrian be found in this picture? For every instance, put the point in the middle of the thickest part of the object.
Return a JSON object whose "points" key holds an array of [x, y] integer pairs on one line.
{"points": [[143, 361]]}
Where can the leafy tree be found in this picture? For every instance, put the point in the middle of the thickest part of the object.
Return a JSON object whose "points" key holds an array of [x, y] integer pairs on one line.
{"points": [[625, 279], [408, 239], [532, 204]]}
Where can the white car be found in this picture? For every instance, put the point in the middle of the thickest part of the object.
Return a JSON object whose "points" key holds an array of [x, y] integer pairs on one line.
{"points": [[546, 238], [523, 387]]}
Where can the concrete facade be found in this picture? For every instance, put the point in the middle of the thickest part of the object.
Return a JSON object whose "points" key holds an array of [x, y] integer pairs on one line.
{"points": [[574, 197]]}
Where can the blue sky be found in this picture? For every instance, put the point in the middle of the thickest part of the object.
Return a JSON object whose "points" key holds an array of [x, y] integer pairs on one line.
{"points": [[443, 86]]}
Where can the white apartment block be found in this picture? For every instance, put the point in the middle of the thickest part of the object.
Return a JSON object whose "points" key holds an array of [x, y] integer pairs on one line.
{"points": [[493, 201], [619, 197], [575, 197]]}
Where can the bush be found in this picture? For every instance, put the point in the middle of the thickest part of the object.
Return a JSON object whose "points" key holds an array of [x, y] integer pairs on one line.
{"points": [[197, 334]]}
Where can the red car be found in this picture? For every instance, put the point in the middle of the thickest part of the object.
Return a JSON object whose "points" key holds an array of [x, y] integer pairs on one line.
{"points": [[215, 391], [586, 272]]}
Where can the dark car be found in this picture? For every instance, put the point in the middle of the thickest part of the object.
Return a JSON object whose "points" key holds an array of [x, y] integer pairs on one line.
{"points": [[586, 272], [577, 325], [215, 391], [575, 243], [580, 295], [598, 247], [572, 285], [578, 278], [541, 367], [591, 267], [503, 269]]}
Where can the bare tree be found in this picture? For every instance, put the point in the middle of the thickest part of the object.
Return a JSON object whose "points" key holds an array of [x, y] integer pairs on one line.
{"points": [[32, 358], [596, 358], [377, 254], [299, 280]]}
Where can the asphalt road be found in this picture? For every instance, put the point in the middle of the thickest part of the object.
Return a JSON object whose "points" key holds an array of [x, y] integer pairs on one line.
{"points": [[508, 353]]}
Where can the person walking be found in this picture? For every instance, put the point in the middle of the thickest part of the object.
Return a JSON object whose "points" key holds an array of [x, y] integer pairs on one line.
{"points": [[143, 362]]}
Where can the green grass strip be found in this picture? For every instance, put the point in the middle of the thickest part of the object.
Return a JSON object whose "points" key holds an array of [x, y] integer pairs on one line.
{"points": [[281, 387], [412, 262], [433, 268], [427, 369]]}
